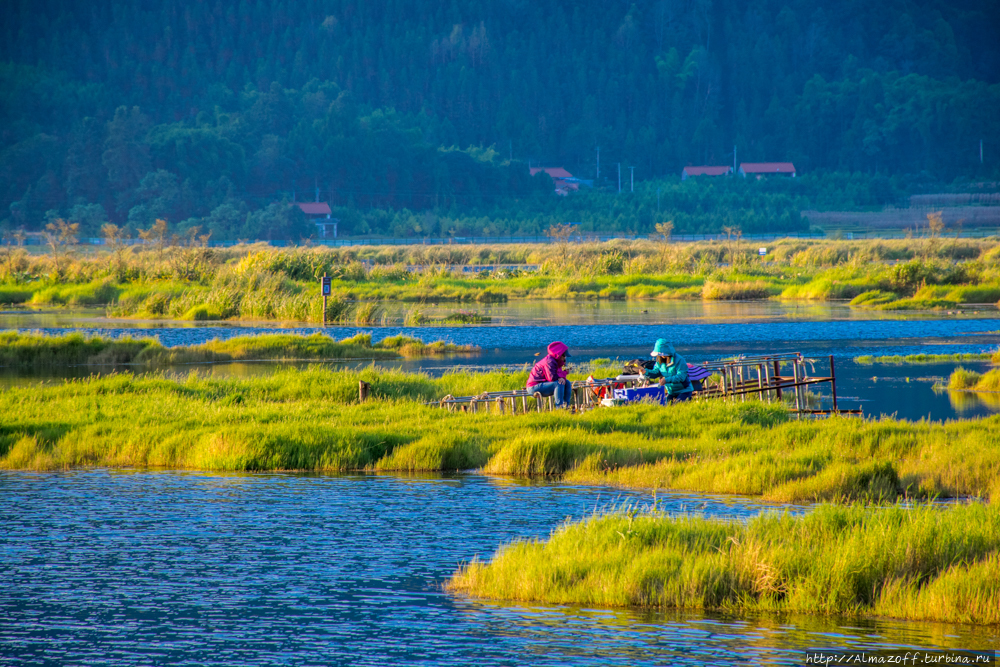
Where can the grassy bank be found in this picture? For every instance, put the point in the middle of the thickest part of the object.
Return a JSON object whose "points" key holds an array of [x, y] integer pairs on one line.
{"points": [[921, 563], [259, 283], [19, 350], [897, 359], [311, 420]]}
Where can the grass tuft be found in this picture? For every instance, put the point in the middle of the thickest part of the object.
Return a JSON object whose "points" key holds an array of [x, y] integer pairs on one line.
{"points": [[965, 380], [919, 563], [735, 291], [898, 359]]}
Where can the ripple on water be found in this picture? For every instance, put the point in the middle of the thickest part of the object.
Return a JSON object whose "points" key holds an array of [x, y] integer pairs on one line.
{"points": [[142, 568]]}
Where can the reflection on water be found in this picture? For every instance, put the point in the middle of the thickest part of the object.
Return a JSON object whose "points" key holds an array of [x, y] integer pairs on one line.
{"points": [[685, 638], [192, 568], [966, 402]]}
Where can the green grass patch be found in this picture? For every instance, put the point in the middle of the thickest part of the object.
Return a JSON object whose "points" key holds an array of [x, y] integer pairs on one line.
{"points": [[897, 359], [917, 563], [97, 293], [737, 291], [311, 419], [20, 350], [874, 298], [965, 380], [15, 293]]}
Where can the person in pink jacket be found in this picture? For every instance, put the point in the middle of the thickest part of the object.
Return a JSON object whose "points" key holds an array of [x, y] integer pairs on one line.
{"points": [[548, 376]]}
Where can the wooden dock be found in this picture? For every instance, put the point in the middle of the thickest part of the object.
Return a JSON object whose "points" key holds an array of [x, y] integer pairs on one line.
{"points": [[768, 378]]}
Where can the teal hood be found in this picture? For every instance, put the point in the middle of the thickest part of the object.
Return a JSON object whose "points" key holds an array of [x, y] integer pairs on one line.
{"points": [[663, 349]]}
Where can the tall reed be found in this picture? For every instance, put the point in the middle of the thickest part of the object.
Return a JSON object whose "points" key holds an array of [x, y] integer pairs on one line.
{"points": [[920, 563]]}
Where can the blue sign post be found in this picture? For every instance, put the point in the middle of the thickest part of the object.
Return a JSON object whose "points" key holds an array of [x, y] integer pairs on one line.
{"points": [[325, 283]]}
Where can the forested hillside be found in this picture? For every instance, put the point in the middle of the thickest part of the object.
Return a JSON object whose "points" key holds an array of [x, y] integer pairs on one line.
{"points": [[422, 111]]}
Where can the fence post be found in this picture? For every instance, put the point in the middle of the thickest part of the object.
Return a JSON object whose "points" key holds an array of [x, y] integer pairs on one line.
{"points": [[777, 378], [833, 384]]}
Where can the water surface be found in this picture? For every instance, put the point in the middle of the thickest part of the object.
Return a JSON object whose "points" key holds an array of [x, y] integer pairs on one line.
{"points": [[168, 568]]}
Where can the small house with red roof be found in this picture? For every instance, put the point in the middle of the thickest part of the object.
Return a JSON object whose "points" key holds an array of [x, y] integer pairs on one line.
{"points": [[688, 172], [319, 214], [762, 169], [563, 180]]}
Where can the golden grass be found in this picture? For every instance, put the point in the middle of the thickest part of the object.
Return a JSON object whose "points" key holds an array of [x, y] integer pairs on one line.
{"points": [[311, 419], [919, 563]]}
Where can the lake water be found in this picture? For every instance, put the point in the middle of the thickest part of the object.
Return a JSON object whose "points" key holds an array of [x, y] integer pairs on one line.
{"points": [[178, 568]]}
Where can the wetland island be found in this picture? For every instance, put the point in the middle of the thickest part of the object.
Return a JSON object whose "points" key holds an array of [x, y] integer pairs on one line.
{"points": [[499, 333]]}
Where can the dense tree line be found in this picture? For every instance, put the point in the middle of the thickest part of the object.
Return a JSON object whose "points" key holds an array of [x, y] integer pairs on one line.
{"points": [[209, 113]]}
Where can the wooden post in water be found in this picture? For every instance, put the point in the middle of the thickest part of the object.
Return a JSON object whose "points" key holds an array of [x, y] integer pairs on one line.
{"points": [[363, 388], [798, 394], [833, 384], [777, 378], [803, 376]]}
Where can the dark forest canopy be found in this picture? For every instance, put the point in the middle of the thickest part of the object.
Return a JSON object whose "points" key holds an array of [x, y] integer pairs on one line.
{"points": [[209, 112]]}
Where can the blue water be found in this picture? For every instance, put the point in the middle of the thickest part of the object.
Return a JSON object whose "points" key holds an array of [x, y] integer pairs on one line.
{"points": [[606, 336], [168, 568]]}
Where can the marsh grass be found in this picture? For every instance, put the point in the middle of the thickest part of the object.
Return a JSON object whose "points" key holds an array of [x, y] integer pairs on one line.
{"points": [[19, 350], [252, 282], [311, 419], [97, 293], [874, 298], [735, 291], [918, 563], [15, 294], [414, 317], [966, 380], [898, 359], [367, 313], [465, 317]]}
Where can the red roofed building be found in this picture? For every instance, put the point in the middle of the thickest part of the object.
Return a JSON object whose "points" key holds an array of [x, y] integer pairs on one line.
{"points": [[319, 214], [554, 172], [562, 179], [761, 169], [705, 171]]}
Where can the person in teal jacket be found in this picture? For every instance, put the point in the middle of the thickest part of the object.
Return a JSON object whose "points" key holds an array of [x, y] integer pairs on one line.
{"points": [[671, 370]]}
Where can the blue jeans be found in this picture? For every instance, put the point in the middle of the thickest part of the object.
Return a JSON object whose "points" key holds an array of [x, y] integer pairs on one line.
{"points": [[679, 398], [552, 388]]}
